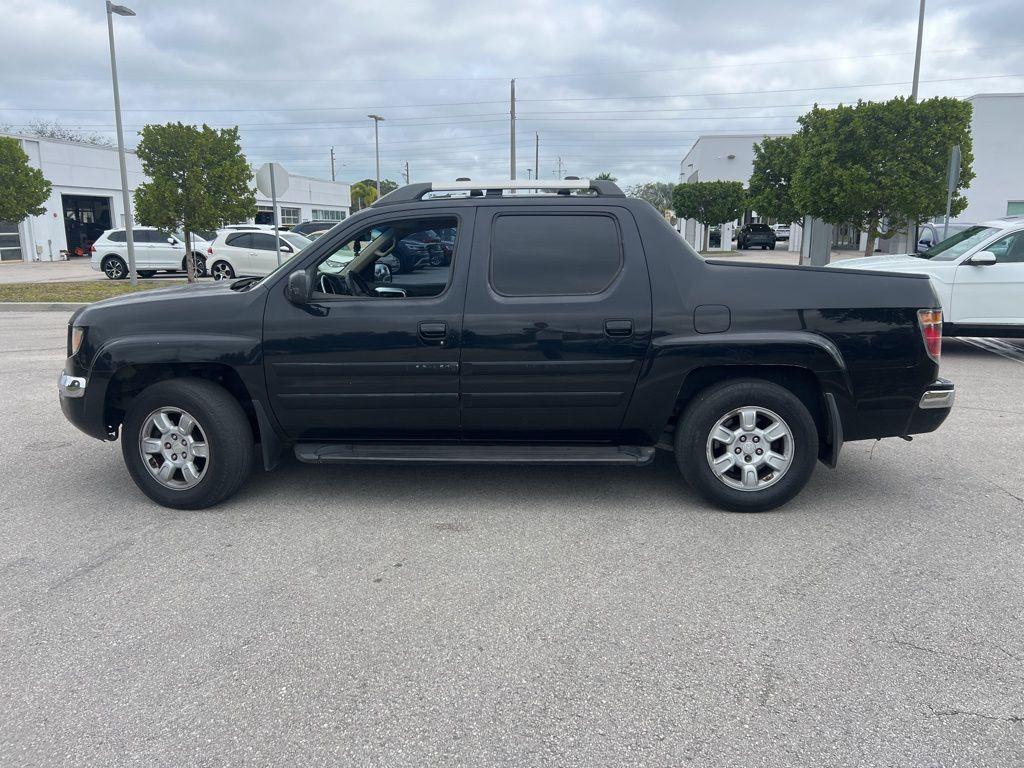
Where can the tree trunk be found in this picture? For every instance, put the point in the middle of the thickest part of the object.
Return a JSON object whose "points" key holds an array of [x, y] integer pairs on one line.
{"points": [[190, 257], [869, 248], [705, 238]]}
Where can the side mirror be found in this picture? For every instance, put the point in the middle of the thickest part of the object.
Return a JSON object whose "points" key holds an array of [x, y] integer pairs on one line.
{"points": [[172, 241], [297, 291], [983, 259], [286, 248]]}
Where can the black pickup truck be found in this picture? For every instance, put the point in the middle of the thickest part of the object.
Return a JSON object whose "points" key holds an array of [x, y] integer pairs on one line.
{"points": [[571, 325]]}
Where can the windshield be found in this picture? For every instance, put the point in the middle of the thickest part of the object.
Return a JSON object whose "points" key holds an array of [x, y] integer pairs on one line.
{"points": [[955, 246], [296, 240]]}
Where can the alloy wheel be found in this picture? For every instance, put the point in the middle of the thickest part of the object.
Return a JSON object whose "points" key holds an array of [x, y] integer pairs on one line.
{"points": [[174, 448], [750, 448]]}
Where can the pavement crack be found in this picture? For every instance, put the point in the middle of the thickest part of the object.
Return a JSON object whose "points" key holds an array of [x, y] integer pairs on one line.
{"points": [[1008, 493]]}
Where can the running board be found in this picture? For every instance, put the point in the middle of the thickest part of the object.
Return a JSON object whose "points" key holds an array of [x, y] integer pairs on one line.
{"points": [[470, 453]]}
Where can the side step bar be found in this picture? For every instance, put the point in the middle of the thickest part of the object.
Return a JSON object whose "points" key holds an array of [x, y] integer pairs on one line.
{"points": [[469, 453]]}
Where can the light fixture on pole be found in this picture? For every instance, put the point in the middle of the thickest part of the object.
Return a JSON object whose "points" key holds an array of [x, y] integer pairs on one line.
{"points": [[121, 10], [376, 146]]}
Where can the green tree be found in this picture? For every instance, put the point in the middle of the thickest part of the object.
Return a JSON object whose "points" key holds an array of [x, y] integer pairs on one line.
{"points": [[364, 193], [199, 180], [771, 183], [709, 202], [23, 190], [605, 176], [877, 165], [657, 193]]}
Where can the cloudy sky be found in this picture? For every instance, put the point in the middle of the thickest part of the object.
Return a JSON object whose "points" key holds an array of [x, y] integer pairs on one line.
{"points": [[623, 86]]}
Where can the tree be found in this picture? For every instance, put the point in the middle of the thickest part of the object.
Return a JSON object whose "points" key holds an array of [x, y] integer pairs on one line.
{"points": [[199, 180], [23, 190], [877, 165], [364, 192], [605, 176], [657, 193], [771, 183], [709, 202], [51, 129]]}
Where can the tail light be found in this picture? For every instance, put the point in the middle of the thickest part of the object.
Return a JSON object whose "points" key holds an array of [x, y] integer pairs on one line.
{"points": [[210, 250], [930, 321], [92, 249]]}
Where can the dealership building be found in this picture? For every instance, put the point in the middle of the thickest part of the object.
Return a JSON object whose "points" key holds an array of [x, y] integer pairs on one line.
{"points": [[996, 191], [86, 200]]}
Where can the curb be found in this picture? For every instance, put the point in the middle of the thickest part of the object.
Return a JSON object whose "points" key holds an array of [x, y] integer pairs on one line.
{"points": [[39, 306]]}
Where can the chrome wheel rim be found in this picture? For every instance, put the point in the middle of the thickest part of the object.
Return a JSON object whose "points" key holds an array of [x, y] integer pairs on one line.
{"points": [[174, 448], [750, 448], [221, 271], [113, 269], [200, 266]]}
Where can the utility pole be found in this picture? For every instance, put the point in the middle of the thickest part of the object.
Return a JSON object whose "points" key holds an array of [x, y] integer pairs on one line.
{"points": [[332, 164], [512, 132], [122, 10], [376, 146], [536, 155], [559, 175], [912, 223], [529, 173], [405, 172]]}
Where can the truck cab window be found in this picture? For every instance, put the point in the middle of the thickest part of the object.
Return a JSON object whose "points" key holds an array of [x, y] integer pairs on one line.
{"points": [[395, 260]]}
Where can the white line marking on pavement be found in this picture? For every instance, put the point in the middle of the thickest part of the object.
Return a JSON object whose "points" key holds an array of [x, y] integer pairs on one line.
{"points": [[999, 347]]}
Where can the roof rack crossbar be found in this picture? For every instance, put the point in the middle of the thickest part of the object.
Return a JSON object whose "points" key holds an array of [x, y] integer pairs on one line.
{"points": [[413, 192]]}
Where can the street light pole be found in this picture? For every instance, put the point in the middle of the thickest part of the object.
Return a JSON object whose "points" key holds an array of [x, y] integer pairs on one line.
{"points": [[121, 10], [912, 223], [376, 146]]}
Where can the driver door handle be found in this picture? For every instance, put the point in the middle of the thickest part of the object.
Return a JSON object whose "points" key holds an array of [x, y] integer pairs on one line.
{"points": [[434, 333]]}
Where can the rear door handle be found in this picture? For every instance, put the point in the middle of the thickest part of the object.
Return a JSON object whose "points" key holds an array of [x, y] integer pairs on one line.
{"points": [[434, 333], [618, 327]]}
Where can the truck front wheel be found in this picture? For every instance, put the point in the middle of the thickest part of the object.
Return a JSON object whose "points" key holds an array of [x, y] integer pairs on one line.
{"points": [[747, 445], [187, 443]]}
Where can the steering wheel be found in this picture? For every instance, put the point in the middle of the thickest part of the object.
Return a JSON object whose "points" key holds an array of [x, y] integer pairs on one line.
{"points": [[333, 284]]}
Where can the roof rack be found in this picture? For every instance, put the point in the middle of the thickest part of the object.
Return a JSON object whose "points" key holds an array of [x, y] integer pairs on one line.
{"points": [[413, 192]]}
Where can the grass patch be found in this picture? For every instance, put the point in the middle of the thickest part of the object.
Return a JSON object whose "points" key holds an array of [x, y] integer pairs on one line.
{"points": [[79, 293]]}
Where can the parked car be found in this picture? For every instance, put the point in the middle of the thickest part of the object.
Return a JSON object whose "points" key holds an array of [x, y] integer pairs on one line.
{"points": [[781, 231], [568, 329], [155, 251], [978, 275], [237, 253], [313, 229], [929, 233], [752, 235]]}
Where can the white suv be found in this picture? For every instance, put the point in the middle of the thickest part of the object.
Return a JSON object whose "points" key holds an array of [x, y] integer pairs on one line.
{"points": [[237, 253], [155, 251]]}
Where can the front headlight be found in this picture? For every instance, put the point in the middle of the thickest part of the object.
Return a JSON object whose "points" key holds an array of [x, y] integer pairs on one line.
{"points": [[76, 334]]}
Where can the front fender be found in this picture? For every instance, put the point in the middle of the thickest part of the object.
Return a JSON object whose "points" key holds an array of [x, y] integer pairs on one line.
{"points": [[147, 349]]}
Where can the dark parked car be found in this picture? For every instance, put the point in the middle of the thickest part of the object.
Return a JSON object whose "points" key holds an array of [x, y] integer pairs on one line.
{"points": [[753, 235], [567, 329], [313, 229]]}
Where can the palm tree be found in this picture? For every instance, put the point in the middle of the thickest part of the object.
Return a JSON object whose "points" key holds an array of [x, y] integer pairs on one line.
{"points": [[605, 176]]}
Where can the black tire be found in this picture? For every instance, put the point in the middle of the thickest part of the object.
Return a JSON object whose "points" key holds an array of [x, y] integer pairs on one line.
{"points": [[114, 267], [200, 265], [773, 246], [146, 273], [693, 433], [226, 430]]}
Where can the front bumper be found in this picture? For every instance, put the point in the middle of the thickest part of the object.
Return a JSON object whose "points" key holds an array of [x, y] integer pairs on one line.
{"points": [[82, 400], [934, 406]]}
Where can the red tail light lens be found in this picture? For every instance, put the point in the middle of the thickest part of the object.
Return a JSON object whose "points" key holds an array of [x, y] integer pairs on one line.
{"points": [[210, 250], [930, 321], [92, 249]]}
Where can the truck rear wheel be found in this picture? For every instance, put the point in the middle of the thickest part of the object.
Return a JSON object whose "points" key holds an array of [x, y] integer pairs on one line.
{"points": [[746, 445], [187, 443]]}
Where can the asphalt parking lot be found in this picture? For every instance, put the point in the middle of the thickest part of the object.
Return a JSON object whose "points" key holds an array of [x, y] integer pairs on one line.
{"points": [[488, 616]]}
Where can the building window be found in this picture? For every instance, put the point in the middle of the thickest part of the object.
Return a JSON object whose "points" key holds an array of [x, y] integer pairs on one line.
{"points": [[323, 214], [290, 216], [10, 242], [1015, 208], [264, 214]]}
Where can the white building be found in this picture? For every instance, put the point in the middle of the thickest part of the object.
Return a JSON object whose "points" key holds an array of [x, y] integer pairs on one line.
{"points": [[998, 140], [86, 200], [725, 157]]}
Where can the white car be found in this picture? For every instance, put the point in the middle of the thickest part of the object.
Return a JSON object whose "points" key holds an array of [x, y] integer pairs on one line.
{"points": [[781, 231], [238, 253], [978, 274], [155, 251]]}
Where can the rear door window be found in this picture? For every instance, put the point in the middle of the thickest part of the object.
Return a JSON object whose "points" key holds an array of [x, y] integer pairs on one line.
{"points": [[554, 254]]}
